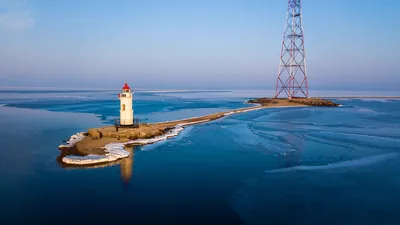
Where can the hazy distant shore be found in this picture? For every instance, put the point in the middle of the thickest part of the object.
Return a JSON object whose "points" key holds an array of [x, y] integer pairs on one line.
{"points": [[363, 97]]}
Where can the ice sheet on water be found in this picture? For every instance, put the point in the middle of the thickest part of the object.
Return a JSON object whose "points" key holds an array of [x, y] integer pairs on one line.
{"points": [[365, 110], [248, 136], [343, 164], [374, 99]]}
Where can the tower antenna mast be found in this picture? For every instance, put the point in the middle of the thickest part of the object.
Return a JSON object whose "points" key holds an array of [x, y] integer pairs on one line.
{"points": [[292, 74]]}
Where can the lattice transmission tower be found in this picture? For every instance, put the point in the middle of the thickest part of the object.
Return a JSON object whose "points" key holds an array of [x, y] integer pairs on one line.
{"points": [[292, 75]]}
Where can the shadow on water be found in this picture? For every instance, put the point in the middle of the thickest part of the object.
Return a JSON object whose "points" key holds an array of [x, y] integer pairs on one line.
{"points": [[126, 164]]}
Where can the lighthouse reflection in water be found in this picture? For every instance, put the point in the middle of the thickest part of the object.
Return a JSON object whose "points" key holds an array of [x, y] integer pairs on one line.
{"points": [[127, 165]]}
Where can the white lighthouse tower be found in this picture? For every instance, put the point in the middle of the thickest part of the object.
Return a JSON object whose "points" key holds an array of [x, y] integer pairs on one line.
{"points": [[126, 111]]}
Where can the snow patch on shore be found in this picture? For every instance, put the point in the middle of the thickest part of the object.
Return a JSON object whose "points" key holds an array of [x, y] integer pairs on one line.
{"points": [[114, 151], [229, 113], [153, 146], [191, 123], [73, 140], [242, 111], [171, 133]]}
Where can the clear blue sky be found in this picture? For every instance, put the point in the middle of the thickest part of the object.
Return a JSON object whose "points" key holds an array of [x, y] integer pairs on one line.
{"points": [[194, 44]]}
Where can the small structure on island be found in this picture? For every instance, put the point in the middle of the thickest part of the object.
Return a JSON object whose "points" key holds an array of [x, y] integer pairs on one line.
{"points": [[126, 111]]}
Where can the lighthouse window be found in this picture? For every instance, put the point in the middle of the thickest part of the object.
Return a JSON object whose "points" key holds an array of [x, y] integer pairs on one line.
{"points": [[123, 107]]}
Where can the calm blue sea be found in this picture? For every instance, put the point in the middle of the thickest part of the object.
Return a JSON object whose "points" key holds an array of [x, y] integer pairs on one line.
{"points": [[273, 166]]}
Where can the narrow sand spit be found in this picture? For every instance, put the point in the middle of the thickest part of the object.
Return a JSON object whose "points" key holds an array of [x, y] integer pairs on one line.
{"points": [[88, 148]]}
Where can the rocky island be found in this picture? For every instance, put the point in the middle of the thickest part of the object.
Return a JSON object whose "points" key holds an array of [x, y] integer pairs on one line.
{"points": [[316, 102], [106, 144]]}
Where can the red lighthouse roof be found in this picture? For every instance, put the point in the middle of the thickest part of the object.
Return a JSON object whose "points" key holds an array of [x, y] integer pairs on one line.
{"points": [[126, 87]]}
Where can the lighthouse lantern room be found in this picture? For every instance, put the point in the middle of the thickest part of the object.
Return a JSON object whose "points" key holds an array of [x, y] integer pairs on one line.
{"points": [[126, 111]]}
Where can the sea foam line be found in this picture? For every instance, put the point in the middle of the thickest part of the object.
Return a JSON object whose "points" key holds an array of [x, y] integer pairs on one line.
{"points": [[351, 163]]}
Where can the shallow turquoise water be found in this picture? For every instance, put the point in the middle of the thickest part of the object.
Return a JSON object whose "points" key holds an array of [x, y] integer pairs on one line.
{"points": [[272, 166]]}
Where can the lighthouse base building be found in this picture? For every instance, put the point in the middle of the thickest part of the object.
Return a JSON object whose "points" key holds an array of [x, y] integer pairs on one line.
{"points": [[126, 111]]}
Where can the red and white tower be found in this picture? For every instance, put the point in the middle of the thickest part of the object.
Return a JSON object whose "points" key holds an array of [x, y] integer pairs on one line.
{"points": [[126, 111], [292, 75]]}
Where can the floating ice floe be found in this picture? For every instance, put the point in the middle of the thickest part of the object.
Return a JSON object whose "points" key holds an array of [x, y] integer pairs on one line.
{"points": [[73, 140]]}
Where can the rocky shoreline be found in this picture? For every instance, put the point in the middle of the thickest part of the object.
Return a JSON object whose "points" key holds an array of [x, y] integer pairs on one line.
{"points": [[106, 144], [94, 146]]}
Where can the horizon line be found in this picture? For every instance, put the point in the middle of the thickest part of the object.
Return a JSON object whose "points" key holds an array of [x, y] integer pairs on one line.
{"points": [[186, 89]]}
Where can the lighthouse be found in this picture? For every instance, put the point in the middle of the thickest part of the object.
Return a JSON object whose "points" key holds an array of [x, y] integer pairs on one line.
{"points": [[126, 111]]}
